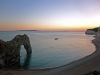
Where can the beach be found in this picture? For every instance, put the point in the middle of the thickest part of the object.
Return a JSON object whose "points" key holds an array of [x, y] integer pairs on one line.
{"points": [[78, 67]]}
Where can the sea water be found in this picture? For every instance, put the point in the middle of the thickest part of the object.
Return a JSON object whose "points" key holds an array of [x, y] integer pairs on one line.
{"points": [[48, 52]]}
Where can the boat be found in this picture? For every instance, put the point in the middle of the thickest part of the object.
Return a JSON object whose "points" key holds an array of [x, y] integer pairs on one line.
{"points": [[56, 38]]}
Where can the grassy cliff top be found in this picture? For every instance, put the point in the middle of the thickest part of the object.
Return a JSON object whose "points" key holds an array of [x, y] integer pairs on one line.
{"points": [[94, 29]]}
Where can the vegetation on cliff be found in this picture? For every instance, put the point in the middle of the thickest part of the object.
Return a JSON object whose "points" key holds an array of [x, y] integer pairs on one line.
{"points": [[94, 29]]}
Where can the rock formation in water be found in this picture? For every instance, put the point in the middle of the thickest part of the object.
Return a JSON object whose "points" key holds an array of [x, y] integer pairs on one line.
{"points": [[10, 50], [91, 31]]}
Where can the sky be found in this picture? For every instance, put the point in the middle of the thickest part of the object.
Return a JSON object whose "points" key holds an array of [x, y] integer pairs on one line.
{"points": [[64, 15]]}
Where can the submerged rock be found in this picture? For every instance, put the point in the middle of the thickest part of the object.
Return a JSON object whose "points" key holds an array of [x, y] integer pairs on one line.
{"points": [[10, 50]]}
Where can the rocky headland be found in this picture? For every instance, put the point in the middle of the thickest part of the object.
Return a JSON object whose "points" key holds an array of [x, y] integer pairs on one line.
{"points": [[10, 50], [91, 31]]}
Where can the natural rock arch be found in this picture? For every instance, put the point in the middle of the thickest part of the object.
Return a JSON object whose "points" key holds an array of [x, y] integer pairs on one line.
{"points": [[10, 50]]}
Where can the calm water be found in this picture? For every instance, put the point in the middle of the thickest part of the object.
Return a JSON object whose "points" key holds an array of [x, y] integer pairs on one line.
{"points": [[47, 52]]}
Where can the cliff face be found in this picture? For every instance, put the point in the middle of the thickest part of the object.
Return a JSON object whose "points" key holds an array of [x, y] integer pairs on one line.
{"points": [[10, 50], [90, 32]]}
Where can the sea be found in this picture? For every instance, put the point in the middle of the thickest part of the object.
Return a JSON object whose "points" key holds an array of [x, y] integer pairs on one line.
{"points": [[48, 52]]}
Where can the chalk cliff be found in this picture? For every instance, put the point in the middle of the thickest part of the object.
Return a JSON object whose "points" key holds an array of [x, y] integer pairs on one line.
{"points": [[91, 31], [10, 50]]}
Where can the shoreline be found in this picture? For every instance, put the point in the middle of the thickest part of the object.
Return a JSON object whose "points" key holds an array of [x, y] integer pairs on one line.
{"points": [[78, 67]]}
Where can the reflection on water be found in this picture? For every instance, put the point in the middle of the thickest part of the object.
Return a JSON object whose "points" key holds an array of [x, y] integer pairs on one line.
{"points": [[27, 61], [25, 64]]}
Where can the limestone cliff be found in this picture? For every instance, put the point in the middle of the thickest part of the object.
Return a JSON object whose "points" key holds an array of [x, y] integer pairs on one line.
{"points": [[91, 31], [10, 50]]}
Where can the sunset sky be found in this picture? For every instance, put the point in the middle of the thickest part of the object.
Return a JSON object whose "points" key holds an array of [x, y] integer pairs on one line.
{"points": [[70, 15]]}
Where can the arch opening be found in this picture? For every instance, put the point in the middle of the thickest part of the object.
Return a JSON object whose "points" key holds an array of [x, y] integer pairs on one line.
{"points": [[24, 58]]}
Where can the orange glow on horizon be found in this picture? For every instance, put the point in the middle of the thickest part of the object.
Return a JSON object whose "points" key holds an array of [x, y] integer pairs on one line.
{"points": [[12, 26], [50, 16], [43, 28]]}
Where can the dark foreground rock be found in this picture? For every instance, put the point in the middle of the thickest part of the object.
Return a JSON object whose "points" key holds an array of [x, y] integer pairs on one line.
{"points": [[10, 50]]}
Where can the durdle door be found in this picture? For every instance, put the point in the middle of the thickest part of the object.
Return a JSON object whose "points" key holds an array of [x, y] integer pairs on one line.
{"points": [[10, 50]]}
